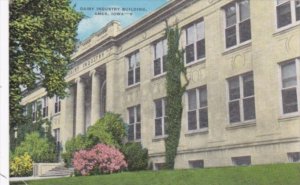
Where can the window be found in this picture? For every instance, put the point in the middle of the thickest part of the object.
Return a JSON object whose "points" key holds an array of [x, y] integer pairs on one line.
{"points": [[134, 127], [294, 157], [33, 111], [25, 110], [197, 109], [237, 23], [57, 104], [133, 68], [45, 107], [290, 87], [160, 117], [159, 166], [241, 98], [288, 12], [160, 57], [241, 161], [196, 164], [195, 42]]}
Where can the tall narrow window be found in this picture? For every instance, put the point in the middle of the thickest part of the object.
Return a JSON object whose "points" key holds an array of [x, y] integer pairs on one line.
{"points": [[290, 87], [241, 98], [237, 24], [134, 127], [45, 106], [133, 68], [160, 57], [57, 105], [288, 12], [33, 111], [195, 42], [160, 117], [197, 109]]}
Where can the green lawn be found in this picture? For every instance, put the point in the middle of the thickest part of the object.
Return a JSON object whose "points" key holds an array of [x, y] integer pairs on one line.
{"points": [[277, 174]]}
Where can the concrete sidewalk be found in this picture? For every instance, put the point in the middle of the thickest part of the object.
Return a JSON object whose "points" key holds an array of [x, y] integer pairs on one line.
{"points": [[20, 179]]}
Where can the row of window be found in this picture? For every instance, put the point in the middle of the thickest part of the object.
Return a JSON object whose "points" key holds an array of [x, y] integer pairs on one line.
{"points": [[241, 102], [237, 30], [236, 161], [41, 107]]}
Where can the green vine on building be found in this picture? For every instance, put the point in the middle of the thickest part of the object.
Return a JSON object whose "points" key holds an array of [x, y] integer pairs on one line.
{"points": [[175, 90]]}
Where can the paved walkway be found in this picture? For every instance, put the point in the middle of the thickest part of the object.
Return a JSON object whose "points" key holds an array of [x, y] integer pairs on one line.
{"points": [[20, 179]]}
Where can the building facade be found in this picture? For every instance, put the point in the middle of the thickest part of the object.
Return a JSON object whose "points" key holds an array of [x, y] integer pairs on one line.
{"points": [[242, 103]]}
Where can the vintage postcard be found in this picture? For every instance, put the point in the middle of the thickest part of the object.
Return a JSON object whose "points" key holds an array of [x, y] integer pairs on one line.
{"points": [[155, 85]]}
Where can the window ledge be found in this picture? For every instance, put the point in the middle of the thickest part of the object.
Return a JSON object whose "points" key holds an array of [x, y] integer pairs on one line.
{"points": [[237, 47], [196, 132], [133, 86], [197, 62], [159, 138], [241, 125], [289, 117], [157, 77], [286, 29], [56, 114]]}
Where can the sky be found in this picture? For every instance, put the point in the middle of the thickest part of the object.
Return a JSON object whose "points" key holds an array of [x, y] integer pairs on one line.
{"points": [[97, 14]]}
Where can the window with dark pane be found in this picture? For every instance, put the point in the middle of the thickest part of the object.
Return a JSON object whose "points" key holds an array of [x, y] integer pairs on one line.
{"points": [[248, 85], [158, 117], [248, 101], [33, 111], [230, 31], [192, 107], [192, 120], [297, 4], [158, 127], [245, 23], [197, 108], [203, 112], [157, 69], [137, 74], [196, 164], [160, 53], [131, 132], [234, 88], [195, 42], [249, 108], [238, 23], [190, 56], [289, 100], [294, 156], [284, 15], [134, 127], [234, 111], [138, 113], [241, 161], [133, 68], [241, 98], [138, 131], [289, 87], [200, 35]]}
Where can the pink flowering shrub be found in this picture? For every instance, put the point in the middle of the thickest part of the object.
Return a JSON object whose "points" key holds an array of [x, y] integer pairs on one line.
{"points": [[100, 159]]}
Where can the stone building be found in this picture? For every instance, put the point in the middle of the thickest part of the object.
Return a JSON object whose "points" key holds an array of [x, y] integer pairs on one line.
{"points": [[242, 104]]}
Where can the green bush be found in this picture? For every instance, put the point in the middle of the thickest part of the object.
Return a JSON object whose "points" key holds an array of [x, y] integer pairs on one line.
{"points": [[136, 156], [77, 143], [40, 149], [109, 130], [21, 166]]}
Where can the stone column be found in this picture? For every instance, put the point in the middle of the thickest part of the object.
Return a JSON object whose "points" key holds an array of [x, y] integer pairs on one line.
{"points": [[80, 111], [67, 113], [95, 96]]}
